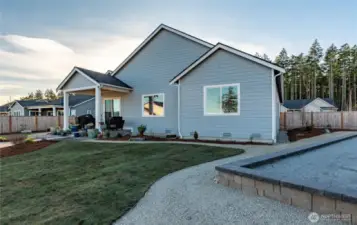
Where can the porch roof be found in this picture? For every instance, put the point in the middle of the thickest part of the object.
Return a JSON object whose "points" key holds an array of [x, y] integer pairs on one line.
{"points": [[102, 78], [95, 78]]}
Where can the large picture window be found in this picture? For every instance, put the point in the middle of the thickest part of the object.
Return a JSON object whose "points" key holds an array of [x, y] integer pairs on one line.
{"points": [[153, 105], [222, 99]]}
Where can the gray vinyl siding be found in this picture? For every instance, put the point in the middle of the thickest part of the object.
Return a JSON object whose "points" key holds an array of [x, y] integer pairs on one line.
{"points": [[255, 98], [82, 108], [149, 72], [77, 81], [17, 107]]}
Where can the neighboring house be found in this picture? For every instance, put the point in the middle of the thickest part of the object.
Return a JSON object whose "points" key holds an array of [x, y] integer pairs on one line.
{"points": [[4, 109], [80, 105], [309, 105], [177, 84]]}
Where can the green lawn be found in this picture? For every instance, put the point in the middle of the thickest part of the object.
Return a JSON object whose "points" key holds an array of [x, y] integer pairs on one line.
{"points": [[89, 183]]}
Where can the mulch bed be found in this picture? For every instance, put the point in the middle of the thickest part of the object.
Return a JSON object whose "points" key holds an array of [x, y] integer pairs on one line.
{"points": [[305, 132], [155, 138], [24, 148]]}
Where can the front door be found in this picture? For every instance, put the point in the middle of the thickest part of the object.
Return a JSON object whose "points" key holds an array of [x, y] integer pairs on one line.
{"points": [[111, 108]]}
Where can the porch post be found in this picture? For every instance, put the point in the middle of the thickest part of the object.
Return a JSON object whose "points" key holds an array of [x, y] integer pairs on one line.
{"points": [[65, 110], [39, 112], [54, 111], [98, 107]]}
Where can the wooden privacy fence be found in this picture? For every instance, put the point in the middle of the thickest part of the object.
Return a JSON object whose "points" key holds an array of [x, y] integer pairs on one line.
{"points": [[336, 120], [15, 124]]}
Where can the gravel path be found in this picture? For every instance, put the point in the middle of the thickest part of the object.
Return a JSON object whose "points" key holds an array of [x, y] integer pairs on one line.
{"points": [[191, 196]]}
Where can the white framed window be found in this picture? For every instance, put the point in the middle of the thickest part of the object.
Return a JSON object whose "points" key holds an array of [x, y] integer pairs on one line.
{"points": [[153, 105], [49, 113], [17, 113], [89, 111], [221, 100], [60, 112], [73, 112]]}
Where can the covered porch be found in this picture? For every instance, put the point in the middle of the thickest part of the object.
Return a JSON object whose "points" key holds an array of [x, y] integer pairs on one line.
{"points": [[106, 89]]}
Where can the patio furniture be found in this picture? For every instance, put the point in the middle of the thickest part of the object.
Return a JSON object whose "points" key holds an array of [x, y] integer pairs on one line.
{"points": [[115, 123], [85, 119]]}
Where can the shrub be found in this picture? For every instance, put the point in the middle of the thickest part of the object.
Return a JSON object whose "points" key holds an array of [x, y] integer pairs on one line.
{"points": [[119, 135], [3, 139], [106, 134], [195, 135], [29, 139], [18, 139], [142, 129]]}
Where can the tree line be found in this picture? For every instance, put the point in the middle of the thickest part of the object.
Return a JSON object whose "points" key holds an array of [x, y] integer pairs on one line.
{"points": [[49, 94], [325, 74]]}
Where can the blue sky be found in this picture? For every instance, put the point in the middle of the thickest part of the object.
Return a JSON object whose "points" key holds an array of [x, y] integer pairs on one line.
{"points": [[41, 40]]}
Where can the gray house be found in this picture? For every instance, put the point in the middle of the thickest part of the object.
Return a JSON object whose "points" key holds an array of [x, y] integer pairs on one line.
{"points": [[79, 105], [177, 84]]}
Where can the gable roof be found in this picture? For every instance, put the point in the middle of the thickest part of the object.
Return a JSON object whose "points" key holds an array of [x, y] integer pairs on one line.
{"points": [[153, 35], [96, 77], [73, 100], [102, 78], [300, 103], [227, 48]]}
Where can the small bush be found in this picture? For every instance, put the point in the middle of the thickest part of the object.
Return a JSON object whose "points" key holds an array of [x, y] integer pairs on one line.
{"points": [[195, 135], [142, 129], [3, 139], [106, 134], [29, 139], [18, 139]]}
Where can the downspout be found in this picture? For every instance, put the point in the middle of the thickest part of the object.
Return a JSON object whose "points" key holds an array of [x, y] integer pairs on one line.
{"points": [[178, 109], [274, 137]]}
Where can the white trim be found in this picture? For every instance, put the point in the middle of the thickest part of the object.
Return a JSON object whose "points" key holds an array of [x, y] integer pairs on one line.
{"points": [[142, 104], [73, 71], [228, 49], [115, 86], [220, 86], [80, 88], [83, 102], [273, 108], [152, 35], [179, 109], [43, 106]]}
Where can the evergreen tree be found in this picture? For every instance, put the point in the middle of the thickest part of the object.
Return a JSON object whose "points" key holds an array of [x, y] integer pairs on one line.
{"points": [[330, 67], [314, 59], [50, 94], [38, 94]]}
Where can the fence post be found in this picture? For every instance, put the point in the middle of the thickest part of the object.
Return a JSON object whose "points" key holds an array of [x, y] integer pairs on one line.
{"points": [[342, 126], [10, 124], [36, 123], [312, 118]]}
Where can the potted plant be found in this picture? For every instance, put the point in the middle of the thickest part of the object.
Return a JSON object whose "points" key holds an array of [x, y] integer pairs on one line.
{"points": [[141, 129], [195, 135]]}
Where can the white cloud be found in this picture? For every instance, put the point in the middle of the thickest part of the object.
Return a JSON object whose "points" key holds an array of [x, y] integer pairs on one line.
{"points": [[44, 62]]}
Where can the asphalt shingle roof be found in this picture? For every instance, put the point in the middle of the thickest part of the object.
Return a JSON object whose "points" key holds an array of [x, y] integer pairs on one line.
{"points": [[103, 78], [5, 107], [73, 100], [299, 103]]}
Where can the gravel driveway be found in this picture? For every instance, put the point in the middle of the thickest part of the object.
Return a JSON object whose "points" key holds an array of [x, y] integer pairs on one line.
{"points": [[191, 196]]}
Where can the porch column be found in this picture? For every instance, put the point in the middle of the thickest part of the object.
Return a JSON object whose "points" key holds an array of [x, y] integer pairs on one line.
{"points": [[54, 111], [65, 110], [98, 107], [39, 112]]}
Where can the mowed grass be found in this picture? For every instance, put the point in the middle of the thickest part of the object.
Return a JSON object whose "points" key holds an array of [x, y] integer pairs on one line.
{"points": [[89, 183]]}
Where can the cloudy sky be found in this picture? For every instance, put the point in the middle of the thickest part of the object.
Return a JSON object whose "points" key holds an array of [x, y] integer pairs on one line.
{"points": [[41, 40]]}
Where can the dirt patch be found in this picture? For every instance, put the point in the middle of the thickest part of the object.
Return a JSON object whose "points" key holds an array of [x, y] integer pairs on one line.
{"points": [[177, 139], [24, 148], [305, 132]]}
